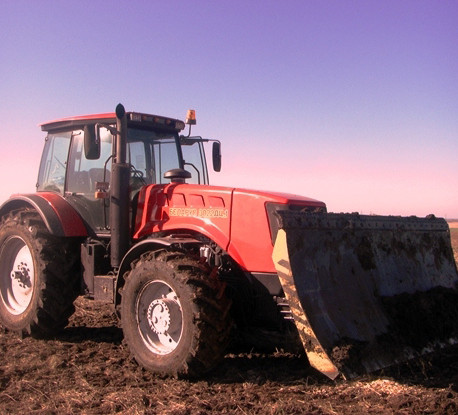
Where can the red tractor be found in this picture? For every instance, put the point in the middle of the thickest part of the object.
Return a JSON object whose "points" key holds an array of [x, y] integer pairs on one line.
{"points": [[124, 213]]}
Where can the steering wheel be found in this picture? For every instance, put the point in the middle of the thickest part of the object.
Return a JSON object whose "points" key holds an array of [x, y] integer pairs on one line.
{"points": [[137, 174]]}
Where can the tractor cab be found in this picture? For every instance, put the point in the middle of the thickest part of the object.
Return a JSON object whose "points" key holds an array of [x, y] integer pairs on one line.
{"points": [[80, 151]]}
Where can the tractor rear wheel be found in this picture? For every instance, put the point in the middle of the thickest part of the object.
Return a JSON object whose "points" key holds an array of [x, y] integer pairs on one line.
{"points": [[173, 319], [38, 276]]}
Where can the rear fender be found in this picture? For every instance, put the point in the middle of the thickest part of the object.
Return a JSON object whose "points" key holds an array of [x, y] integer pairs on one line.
{"points": [[60, 218]]}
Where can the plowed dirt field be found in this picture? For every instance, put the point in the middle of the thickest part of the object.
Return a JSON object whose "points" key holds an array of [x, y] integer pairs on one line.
{"points": [[88, 370]]}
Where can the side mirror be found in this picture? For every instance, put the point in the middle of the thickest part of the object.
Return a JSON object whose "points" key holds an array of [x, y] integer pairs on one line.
{"points": [[91, 142], [216, 155]]}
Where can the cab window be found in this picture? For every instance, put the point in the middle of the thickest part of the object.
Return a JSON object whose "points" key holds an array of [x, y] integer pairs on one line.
{"points": [[51, 176], [83, 174]]}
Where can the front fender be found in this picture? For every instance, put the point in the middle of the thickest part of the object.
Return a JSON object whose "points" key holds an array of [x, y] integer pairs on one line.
{"points": [[150, 244], [60, 218]]}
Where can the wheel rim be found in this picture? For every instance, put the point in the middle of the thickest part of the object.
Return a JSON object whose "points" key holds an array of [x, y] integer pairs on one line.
{"points": [[159, 317], [17, 275]]}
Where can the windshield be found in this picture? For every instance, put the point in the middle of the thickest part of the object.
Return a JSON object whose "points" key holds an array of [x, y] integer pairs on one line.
{"points": [[152, 154]]}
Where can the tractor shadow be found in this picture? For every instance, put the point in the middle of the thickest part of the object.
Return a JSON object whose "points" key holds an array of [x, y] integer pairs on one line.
{"points": [[112, 335]]}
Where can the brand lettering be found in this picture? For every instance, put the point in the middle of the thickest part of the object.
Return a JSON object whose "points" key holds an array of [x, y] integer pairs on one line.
{"points": [[183, 212], [213, 213], [200, 213]]}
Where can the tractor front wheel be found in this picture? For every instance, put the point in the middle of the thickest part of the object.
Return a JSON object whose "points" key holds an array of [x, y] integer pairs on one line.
{"points": [[173, 319]]}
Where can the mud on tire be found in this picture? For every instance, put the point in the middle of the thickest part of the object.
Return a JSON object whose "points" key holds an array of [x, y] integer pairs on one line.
{"points": [[175, 319], [38, 276]]}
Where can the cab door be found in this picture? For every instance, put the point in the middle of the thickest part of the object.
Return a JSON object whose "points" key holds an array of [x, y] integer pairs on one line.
{"points": [[82, 177]]}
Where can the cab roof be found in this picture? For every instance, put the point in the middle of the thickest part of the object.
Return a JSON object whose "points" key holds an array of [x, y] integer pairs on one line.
{"points": [[133, 118]]}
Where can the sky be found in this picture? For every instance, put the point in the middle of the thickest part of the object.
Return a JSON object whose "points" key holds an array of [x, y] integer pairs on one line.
{"points": [[354, 103]]}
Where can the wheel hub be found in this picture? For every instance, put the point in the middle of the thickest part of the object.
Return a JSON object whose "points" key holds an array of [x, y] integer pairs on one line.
{"points": [[159, 317], [160, 314], [16, 275], [22, 275]]}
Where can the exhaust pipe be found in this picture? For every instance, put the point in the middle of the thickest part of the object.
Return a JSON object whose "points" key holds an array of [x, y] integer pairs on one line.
{"points": [[119, 195]]}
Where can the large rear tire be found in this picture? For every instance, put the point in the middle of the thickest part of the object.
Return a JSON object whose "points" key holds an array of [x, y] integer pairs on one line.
{"points": [[173, 319], [38, 276]]}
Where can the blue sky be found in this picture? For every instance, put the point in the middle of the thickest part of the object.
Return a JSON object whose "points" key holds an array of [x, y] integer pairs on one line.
{"points": [[351, 102]]}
